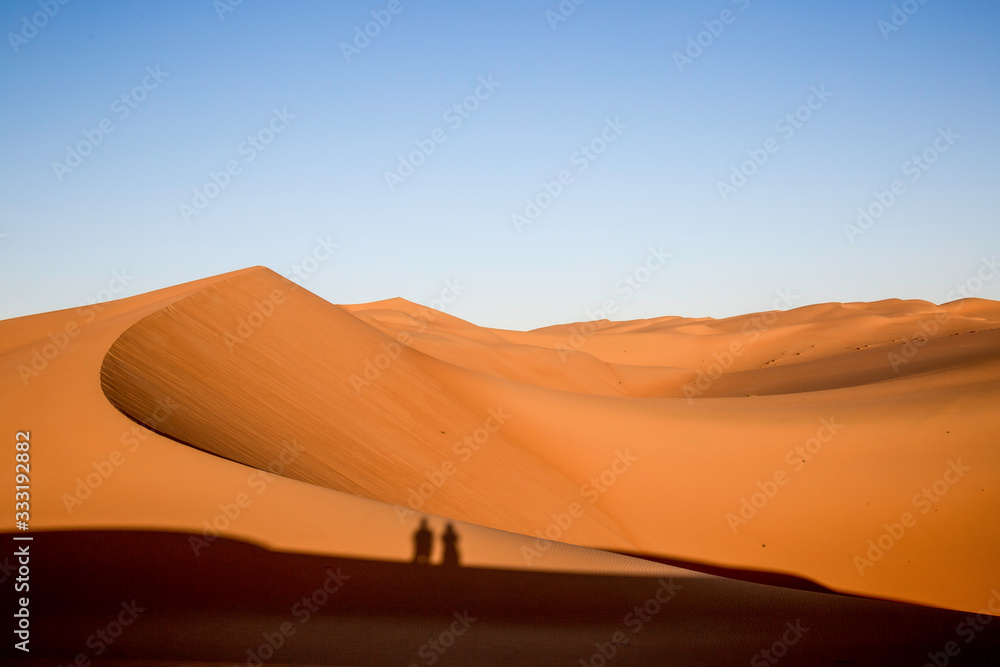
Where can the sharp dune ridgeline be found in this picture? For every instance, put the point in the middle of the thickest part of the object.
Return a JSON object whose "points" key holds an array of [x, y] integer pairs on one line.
{"points": [[852, 445]]}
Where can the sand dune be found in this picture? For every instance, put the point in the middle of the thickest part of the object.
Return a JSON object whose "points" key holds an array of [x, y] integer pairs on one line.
{"points": [[367, 416], [657, 436]]}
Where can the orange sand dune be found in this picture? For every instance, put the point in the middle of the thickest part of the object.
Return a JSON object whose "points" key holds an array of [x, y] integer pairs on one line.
{"points": [[368, 418], [639, 437], [93, 467]]}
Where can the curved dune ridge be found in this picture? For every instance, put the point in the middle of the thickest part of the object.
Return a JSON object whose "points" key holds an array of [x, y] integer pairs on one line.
{"points": [[649, 436], [259, 367]]}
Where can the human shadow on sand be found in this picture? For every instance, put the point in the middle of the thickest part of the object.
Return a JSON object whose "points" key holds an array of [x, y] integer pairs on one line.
{"points": [[144, 595]]}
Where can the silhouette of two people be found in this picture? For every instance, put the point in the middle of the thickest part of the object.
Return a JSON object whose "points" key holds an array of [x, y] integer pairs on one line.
{"points": [[423, 542]]}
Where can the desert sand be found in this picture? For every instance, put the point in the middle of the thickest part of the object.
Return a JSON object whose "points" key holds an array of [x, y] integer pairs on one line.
{"points": [[847, 446]]}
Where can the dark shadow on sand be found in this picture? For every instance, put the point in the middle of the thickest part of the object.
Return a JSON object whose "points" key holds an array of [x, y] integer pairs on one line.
{"points": [[236, 603]]}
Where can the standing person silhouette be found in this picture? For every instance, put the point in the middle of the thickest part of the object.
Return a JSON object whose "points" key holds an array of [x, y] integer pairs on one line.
{"points": [[450, 541], [423, 540]]}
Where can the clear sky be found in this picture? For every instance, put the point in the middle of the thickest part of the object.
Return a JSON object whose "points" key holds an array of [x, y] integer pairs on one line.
{"points": [[583, 136]]}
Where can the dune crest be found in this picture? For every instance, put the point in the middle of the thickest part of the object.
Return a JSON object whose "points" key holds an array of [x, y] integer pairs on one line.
{"points": [[266, 374]]}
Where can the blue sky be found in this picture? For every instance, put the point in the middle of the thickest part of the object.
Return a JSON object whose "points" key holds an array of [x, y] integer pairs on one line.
{"points": [[203, 85]]}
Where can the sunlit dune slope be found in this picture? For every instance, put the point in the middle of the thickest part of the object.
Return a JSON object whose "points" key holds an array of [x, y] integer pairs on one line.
{"points": [[254, 363], [93, 467]]}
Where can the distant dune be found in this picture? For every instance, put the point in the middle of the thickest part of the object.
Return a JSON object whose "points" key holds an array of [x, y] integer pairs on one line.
{"points": [[852, 445]]}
